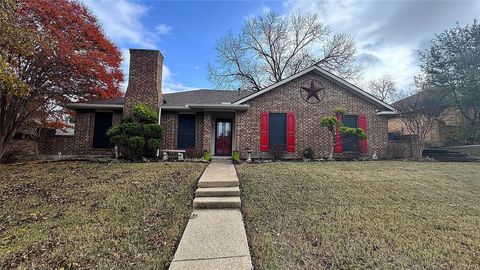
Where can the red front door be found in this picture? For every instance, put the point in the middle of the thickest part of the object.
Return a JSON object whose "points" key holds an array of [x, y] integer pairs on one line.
{"points": [[223, 137]]}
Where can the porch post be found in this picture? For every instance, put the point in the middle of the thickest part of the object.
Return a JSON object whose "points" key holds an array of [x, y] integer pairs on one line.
{"points": [[207, 131]]}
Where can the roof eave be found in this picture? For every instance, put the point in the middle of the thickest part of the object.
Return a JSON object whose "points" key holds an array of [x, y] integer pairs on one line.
{"points": [[388, 113], [327, 74], [220, 107], [93, 106]]}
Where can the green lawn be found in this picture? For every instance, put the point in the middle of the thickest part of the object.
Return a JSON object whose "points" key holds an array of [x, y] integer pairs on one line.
{"points": [[343, 215], [87, 215]]}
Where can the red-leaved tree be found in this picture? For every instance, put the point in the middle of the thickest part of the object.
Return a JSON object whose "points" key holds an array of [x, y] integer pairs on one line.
{"points": [[51, 53]]}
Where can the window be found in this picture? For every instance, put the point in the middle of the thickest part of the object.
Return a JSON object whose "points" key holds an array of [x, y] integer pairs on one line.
{"points": [[186, 131], [350, 142], [103, 121], [277, 129], [277, 123]]}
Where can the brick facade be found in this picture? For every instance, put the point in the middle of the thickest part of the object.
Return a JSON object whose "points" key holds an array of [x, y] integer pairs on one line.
{"points": [[145, 87], [309, 133], [145, 79], [170, 127], [82, 140]]}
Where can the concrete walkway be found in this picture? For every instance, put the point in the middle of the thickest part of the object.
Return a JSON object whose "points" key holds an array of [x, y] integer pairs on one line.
{"points": [[215, 236]]}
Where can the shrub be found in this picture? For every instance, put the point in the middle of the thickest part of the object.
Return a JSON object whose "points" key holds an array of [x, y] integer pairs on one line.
{"points": [[137, 136], [154, 144], [144, 114], [330, 122], [152, 130], [339, 110], [464, 136], [353, 131], [361, 133], [277, 151], [308, 153]]}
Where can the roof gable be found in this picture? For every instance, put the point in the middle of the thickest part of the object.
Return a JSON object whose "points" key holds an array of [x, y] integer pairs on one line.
{"points": [[328, 75]]}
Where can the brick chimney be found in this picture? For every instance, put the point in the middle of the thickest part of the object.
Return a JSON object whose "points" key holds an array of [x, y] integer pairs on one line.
{"points": [[145, 80]]}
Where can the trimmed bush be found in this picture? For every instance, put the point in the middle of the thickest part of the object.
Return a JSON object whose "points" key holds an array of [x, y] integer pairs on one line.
{"points": [[308, 153], [138, 136], [144, 114], [339, 110], [353, 131]]}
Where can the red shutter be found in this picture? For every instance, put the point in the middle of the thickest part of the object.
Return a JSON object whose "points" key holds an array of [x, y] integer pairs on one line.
{"points": [[362, 123], [338, 137], [264, 131], [290, 132]]}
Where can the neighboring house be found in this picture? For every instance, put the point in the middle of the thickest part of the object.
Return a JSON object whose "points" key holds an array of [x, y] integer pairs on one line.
{"points": [[284, 116], [450, 120]]}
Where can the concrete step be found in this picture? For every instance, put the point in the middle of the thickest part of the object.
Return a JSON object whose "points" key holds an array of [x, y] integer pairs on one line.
{"points": [[216, 202], [218, 192], [218, 183], [221, 158]]}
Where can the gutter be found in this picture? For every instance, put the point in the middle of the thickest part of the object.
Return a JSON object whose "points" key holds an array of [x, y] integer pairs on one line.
{"points": [[220, 107], [392, 113], [93, 106]]}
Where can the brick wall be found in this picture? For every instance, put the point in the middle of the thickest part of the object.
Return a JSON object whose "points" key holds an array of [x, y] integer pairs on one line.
{"points": [[308, 132], [170, 128], [169, 123], [401, 149], [81, 142], [145, 79]]}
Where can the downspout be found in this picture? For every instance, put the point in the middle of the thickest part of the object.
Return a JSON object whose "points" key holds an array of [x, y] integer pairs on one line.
{"points": [[159, 122]]}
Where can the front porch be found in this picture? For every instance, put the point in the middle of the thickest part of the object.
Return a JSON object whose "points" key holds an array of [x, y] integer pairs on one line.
{"points": [[198, 130]]}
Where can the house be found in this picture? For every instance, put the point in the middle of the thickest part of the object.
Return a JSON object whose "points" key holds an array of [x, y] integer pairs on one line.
{"points": [[450, 119], [282, 117]]}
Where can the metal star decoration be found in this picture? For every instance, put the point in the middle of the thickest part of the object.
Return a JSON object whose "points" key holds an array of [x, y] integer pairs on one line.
{"points": [[312, 91]]}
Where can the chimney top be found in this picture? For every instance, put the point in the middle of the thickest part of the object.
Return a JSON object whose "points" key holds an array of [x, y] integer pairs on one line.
{"points": [[145, 79]]}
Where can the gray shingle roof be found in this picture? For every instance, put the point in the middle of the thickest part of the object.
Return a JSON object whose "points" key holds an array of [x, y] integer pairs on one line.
{"points": [[200, 96], [116, 101], [203, 96]]}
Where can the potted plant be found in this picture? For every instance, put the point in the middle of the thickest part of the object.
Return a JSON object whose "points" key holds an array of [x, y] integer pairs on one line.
{"points": [[206, 155], [236, 156]]}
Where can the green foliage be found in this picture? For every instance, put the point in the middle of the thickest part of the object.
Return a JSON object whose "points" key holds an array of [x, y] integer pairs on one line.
{"points": [[361, 134], [236, 156], [136, 144], [206, 155], [144, 114], [465, 136], [339, 110], [353, 131], [330, 122], [308, 153], [451, 67], [154, 144], [152, 130], [137, 136]]}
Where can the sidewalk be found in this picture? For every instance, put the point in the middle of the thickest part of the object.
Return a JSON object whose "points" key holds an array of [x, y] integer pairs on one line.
{"points": [[215, 238]]}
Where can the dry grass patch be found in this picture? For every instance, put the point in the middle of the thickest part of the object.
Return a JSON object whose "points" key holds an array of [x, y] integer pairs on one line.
{"points": [[87, 215], [343, 215]]}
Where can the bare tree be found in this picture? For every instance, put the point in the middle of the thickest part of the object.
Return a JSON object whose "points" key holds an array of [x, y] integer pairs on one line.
{"points": [[383, 87], [271, 47], [419, 113]]}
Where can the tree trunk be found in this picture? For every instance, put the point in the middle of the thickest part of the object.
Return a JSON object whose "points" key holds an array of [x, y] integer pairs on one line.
{"points": [[5, 140]]}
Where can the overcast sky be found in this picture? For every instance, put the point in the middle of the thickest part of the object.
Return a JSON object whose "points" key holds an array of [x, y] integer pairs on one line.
{"points": [[388, 33]]}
